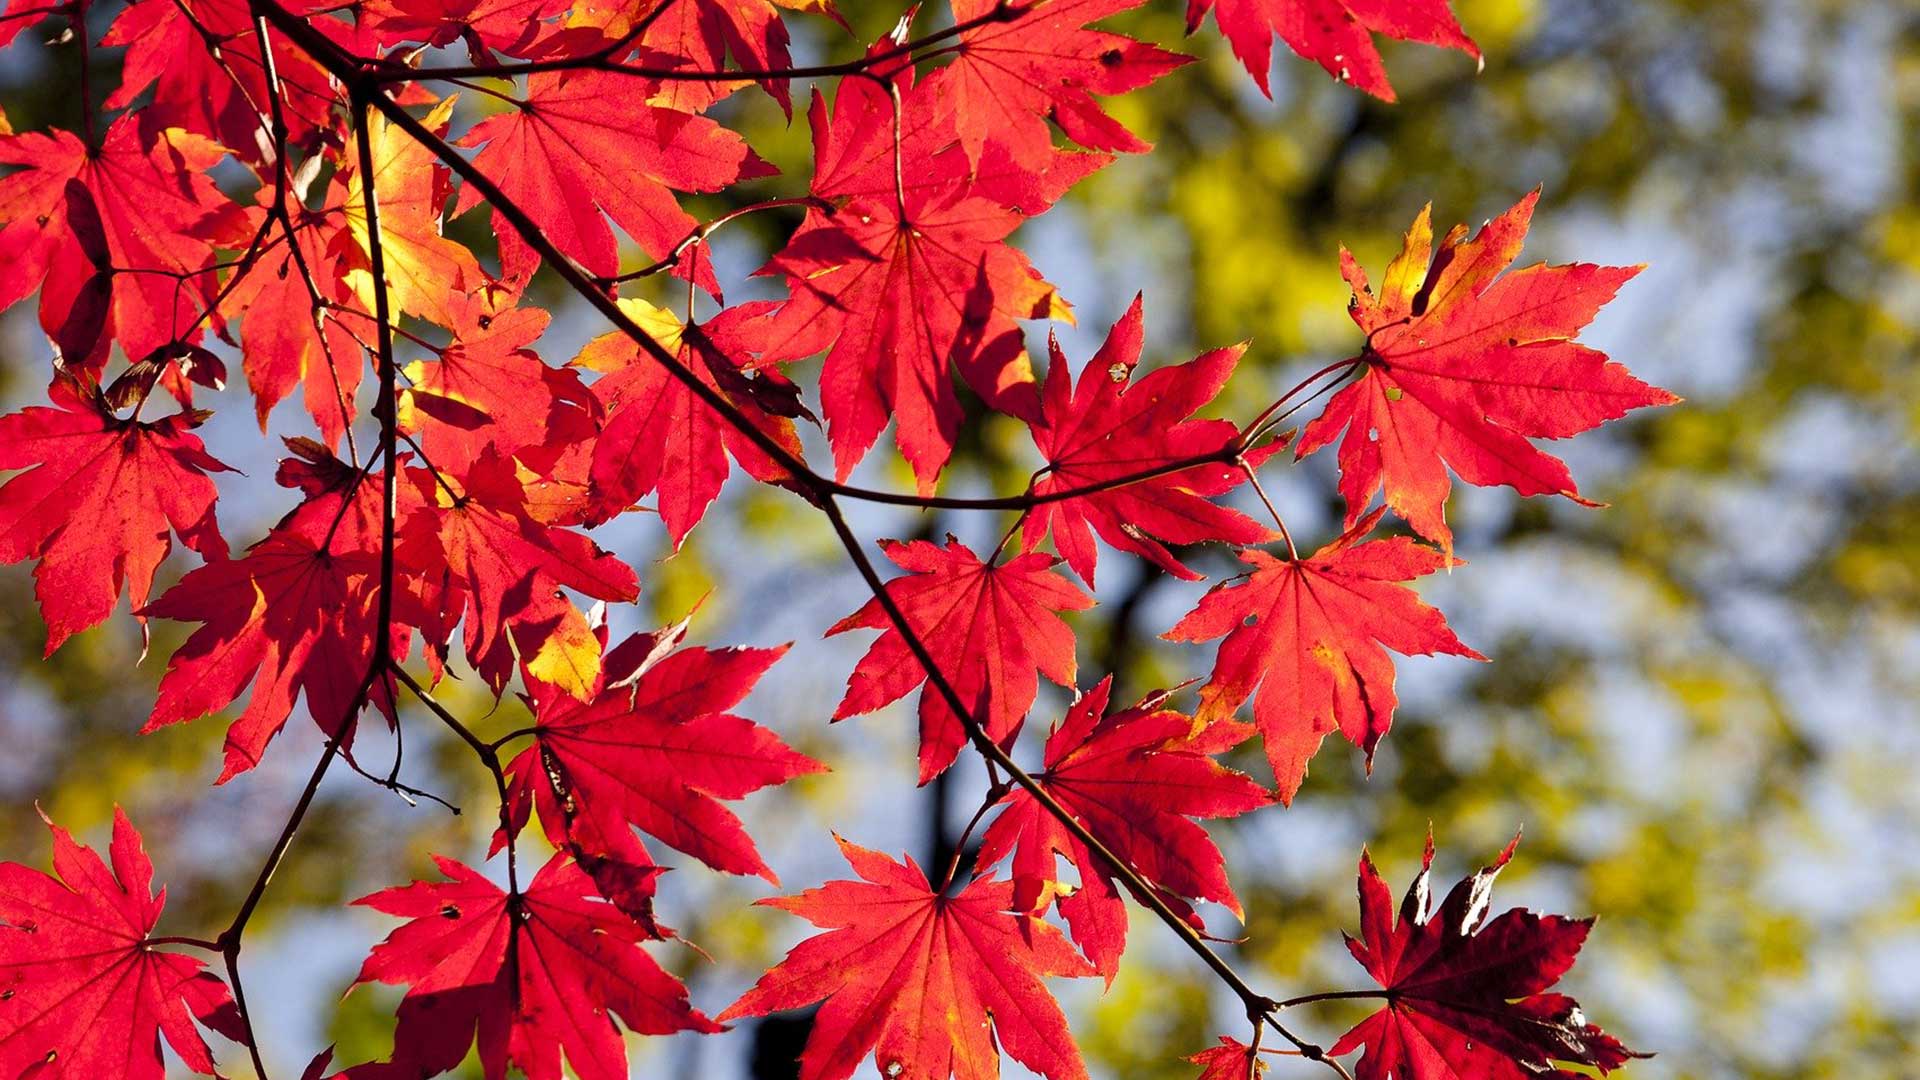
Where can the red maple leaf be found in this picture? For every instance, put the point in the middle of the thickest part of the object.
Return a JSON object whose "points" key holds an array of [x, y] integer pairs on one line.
{"points": [[1109, 428], [1466, 998], [1309, 634], [901, 300], [1134, 779], [1010, 75], [589, 141], [660, 438], [98, 500], [487, 391], [1231, 1060], [854, 152], [656, 748], [295, 616], [1464, 364], [536, 975], [492, 560], [170, 48], [992, 628], [929, 983], [701, 33], [82, 993], [514, 27], [1336, 34], [145, 198], [286, 343]]}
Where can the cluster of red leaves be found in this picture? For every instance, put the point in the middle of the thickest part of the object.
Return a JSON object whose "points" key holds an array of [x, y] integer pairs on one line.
{"points": [[470, 519]]}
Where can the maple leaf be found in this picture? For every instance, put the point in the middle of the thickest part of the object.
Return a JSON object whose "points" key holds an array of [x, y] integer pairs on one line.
{"points": [[486, 391], [660, 437], [658, 749], [505, 569], [927, 982], [589, 141], [1308, 633], [82, 993], [170, 49], [1466, 998], [1134, 779], [296, 615], [285, 342], [141, 201], [98, 500], [1231, 1060], [535, 975], [992, 627], [900, 301], [1009, 75], [701, 33], [1110, 428], [514, 27], [423, 267], [1336, 34], [1464, 364]]}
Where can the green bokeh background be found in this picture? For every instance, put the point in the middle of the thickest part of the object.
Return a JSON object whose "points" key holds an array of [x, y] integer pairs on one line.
{"points": [[1704, 701]]}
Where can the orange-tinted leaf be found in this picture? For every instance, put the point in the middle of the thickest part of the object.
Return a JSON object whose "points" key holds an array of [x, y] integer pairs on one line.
{"points": [[1010, 75], [504, 570], [487, 391], [1309, 634], [928, 983], [661, 438], [992, 628], [1336, 34], [1110, 427], [423, 267], [1464, 365], [586, 142], [1134, 779], [98, 501]]}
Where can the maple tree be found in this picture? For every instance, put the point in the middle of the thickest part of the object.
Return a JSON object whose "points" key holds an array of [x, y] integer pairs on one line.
{"points": [[468, 515]]}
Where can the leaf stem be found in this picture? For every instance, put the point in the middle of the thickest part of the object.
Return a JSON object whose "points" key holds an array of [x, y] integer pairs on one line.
{"points": [[191, 942], [489, 756], [994, 795], [1246, 467]]}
